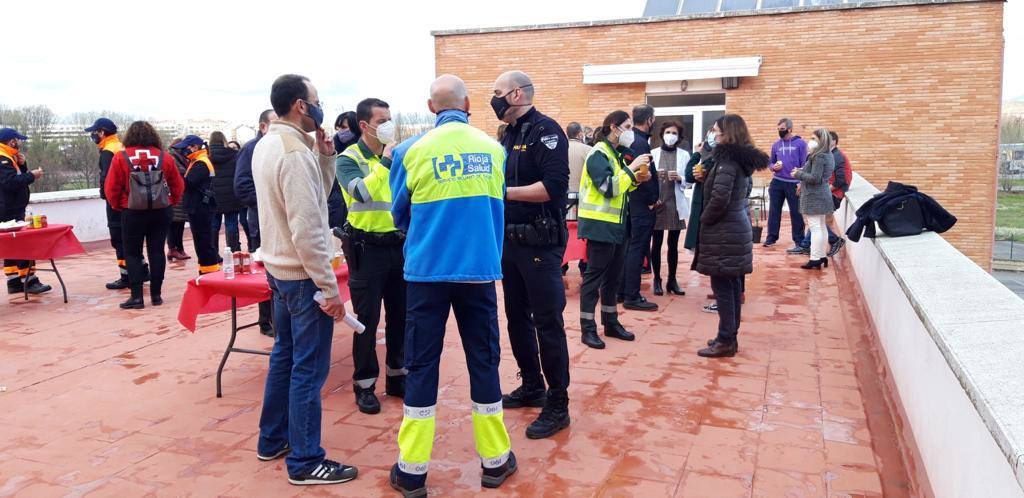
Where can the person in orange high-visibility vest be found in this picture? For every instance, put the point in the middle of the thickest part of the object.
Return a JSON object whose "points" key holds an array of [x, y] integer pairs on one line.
{"points": [[199, 202], [15, 177]]}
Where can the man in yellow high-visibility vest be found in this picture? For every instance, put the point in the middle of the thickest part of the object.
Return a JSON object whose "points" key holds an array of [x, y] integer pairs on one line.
{"points": [[374, 253]]}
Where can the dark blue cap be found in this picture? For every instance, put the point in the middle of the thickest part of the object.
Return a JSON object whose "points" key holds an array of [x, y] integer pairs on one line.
{"points": [[8, 134], [189, 141], [103, 124]]}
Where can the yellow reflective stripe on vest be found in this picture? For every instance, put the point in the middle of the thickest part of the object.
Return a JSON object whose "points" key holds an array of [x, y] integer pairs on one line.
{"points": [[492, 441], [374, 213], [593, 203], [416, 439]]}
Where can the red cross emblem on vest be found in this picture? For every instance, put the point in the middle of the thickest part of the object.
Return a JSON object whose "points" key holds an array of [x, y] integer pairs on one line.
{"points": [[142, 158]]}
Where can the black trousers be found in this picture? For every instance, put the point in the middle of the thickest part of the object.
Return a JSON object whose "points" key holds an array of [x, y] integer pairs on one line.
{"points": [[638, 247], [116, 238], [201, 219], [176, 236], [17, 268], [604, 266], [673, 253], [534, 302], [376, 279], [266, 308], [149, 227], [727, 294]]}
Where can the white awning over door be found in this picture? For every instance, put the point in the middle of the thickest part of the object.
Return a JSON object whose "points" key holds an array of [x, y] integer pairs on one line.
{"points": [[643, 72]]}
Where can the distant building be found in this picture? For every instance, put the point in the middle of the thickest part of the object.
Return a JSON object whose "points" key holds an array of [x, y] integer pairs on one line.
{"points": [[1011, 159], [909, 85]]}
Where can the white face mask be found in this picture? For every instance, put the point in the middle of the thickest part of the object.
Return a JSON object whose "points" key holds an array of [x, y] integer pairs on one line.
{"points": [[812, 144], [386, 132], [626, 138], [670, 139]]}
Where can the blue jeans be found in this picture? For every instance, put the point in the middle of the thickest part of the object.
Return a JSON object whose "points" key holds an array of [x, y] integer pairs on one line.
{"points": [[299, 364], [230, 228], [832, 238], [779, 192]]}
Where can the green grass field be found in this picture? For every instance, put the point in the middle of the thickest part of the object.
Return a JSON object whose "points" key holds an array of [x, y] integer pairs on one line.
{"points": [[1010, 210]]}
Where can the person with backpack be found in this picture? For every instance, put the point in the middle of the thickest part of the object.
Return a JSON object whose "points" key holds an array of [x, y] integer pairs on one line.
{"points": [[142, 184], [200, 201]]}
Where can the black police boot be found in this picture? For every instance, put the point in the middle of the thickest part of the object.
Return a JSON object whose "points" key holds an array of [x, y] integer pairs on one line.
{"points": [[590, 337], [493, 478], [553, 418], [395, 386], [408, 489], [121, 283], [15, 285], [135, 302], [658, 291], [34, 286], [530, 394], [673, 287], [367, 401], [617, 331], [639, 303]]}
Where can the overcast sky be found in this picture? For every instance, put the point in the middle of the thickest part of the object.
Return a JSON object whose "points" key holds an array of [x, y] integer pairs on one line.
{"points": [[216, 59]]}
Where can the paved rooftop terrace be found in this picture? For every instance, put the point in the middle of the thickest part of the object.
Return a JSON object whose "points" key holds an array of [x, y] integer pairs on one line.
{"points": [[98, 401]]}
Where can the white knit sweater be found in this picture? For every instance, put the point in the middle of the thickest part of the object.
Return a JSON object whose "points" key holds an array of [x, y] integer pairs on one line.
{"points": [[293, 181]]}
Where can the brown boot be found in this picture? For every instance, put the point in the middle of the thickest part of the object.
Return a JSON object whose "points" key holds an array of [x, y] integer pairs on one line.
{"points": [[718, 350]]}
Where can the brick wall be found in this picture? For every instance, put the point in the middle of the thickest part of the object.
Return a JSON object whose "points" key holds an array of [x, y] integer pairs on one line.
{"points": [[913, 91]]}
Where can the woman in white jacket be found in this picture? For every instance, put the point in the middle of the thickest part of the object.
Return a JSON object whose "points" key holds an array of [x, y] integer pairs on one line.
{"points": [[673, 208]]}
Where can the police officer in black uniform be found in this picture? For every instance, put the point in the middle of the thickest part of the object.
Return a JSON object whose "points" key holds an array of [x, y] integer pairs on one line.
{"points": [[537, 179]]}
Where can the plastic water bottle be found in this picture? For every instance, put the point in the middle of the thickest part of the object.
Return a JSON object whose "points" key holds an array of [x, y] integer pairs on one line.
{"points": [[228, 264]]}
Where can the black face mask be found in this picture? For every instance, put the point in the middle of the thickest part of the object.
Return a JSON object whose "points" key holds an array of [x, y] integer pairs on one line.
{"points": [[500, 105], [783, 133], [95, 137]]}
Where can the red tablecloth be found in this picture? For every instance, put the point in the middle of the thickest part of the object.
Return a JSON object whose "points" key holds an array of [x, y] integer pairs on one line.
{"points": [[575, 249], [212, 293], [52, 242]]}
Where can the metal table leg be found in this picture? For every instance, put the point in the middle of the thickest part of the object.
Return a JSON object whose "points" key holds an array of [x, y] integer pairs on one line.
{"points": [[231, 343], [63, 287]]}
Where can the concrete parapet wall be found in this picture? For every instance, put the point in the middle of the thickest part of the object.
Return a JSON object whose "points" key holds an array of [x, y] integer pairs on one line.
{"points": [[953, 339]]}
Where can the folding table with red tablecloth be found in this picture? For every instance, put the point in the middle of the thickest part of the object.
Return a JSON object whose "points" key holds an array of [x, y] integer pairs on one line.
{"points": [[213, 293], [50, 243]]}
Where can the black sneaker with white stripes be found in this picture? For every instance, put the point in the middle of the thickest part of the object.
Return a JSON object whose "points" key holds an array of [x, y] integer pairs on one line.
{"points": [[328, 472], [275, 455]]}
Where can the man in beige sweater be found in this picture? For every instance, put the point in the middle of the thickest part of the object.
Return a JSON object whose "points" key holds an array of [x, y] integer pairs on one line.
{"points": [[293, 176]]}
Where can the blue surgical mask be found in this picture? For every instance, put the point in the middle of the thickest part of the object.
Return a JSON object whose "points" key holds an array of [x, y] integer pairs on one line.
{"points": [[712, 140], [316, 113]]}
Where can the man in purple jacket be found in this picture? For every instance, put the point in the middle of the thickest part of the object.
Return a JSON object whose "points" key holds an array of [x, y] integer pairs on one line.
{"points": [[788, 154]]}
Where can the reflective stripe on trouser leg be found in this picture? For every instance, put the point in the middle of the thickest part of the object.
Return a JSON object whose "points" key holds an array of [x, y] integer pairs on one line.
{"points": [[122, 267], [416, 439], [397, 372], [492, 441], [609, 309], [586, 316]]}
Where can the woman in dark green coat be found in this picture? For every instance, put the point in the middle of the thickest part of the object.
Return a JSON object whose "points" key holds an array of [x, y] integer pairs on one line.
{"points": [[697, 204]]}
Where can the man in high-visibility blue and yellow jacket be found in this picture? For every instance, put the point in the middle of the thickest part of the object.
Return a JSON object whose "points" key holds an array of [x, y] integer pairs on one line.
{"points": [[447, 188], [373, 247]]}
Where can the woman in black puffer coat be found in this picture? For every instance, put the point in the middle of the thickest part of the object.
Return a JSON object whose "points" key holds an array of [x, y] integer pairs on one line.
{"points": [[228, 205], [725, 249]]}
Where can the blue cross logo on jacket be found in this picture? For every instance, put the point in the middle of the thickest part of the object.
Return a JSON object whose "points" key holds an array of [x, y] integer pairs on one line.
{"points": [[451, 167]]}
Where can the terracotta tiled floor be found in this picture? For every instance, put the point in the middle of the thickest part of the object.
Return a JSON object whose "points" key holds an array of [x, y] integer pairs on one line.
{"points": [[103, 402]]}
